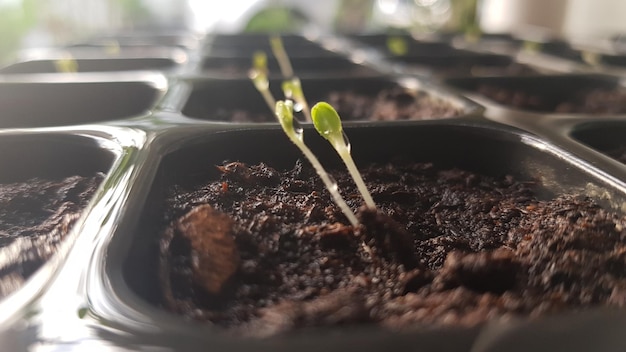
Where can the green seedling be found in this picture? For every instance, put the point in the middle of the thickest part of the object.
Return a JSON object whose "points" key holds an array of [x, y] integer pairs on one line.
{"points": [[112, 47], [328, 125], [281, 56], [284, 114], [472, 33], [397, 46], [258, 74], [292, 87], [325, 118], [591, 58], [66, 64], [531, 46]]}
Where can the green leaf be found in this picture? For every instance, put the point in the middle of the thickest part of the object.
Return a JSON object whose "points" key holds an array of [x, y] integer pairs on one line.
{"points": [[82, 312], [397, 46], [284, 113], [326, 120], [259, 61]]}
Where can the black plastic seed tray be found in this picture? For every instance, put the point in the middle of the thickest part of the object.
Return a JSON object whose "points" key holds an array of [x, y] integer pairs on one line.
{"points": [[219, 100], [464, 63], [139, 39], [150, 137], [91, 65], [81, 99], [334, 65], [566, 94]]}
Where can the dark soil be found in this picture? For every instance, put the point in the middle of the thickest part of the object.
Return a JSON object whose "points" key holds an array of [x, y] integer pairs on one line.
{"points": [[261, 252], [389, 105], [35, 216], [590, 101]]}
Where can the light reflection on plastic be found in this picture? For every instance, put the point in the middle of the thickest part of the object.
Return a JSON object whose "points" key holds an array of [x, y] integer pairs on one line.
{"points": [[209, 13], [585, 167], [388, 7]]}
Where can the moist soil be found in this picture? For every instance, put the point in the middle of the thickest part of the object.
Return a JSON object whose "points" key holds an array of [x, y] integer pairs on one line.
{"points": [[260, 252], [389, 105], [584, 100], [35, 216]]}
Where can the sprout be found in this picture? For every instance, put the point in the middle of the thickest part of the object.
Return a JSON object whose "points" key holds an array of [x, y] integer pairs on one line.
{"points": [[112, 47], [292, 87], [283, 111], [531, 46], [67, 64], [328, 125], [397, 46], [259, 62], [284, 114], [281, 55], [591, 58], [258, 74]]}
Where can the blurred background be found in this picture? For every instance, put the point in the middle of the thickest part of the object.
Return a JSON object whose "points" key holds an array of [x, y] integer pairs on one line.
{"points": [[26, 24]]}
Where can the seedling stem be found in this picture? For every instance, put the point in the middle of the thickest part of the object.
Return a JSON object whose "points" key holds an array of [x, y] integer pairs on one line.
{"points": [[281, 56], [292, 87], [328, 125], [284, 114], [258, 75]]}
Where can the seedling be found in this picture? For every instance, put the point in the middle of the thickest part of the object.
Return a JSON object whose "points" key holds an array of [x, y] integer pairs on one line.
{"points": [[112, 47], [292, 87], [325, 118], [67, 64], [591, 58], [328, 125], [258, 74], [284, 114], [281, 56], [531, 46], [397, 46]]}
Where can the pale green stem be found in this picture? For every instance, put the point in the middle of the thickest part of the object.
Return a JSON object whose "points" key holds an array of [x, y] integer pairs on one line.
{"points": [[281, 56], [331, 185], [262, 85], [284, 115], [328, 124], [292, 88], [344, 153]]}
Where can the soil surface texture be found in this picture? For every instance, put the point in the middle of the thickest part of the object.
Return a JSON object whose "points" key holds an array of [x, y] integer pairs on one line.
{"points": [[582, 101], [389, 105], [261, 252], [35, 216]]}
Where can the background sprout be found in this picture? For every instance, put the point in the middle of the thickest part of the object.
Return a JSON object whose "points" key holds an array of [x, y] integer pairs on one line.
{"points": [[281, 56], [397, 46], [531, 46], [259, 62], [284, 114], [258, 75], [328, 125], [66, 64], [591, 58], [292, 88]]}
